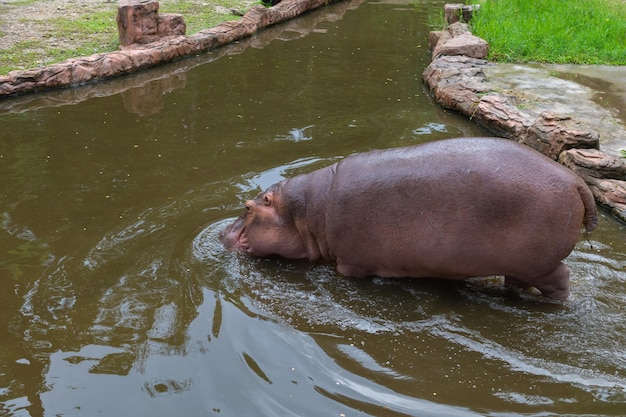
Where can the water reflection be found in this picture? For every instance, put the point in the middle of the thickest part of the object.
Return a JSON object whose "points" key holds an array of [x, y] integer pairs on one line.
{"points": [[118, 298], [147, 99], [143, 92], [453, 342]]}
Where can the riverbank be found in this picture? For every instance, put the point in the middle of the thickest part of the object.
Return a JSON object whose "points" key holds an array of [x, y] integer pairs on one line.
{"points": [[36, 33], [582, 32], [518, 108], [522, 108], [99, 66]]}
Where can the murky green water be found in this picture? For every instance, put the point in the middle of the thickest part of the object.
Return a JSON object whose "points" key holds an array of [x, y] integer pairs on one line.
{"points": [[118, 299]]}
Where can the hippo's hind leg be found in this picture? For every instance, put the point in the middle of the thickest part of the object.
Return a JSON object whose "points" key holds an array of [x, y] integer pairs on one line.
{"points": [[554, 284], [512, 281]]}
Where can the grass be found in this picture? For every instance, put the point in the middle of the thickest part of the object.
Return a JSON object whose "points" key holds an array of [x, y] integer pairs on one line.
{"points": [[96, 31], [22, 55], [64, 38], [198, 16], [24, 2], [553, 31]]}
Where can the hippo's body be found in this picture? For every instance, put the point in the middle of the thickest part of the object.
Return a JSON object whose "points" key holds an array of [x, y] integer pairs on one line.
{"points": [[455, 208]]}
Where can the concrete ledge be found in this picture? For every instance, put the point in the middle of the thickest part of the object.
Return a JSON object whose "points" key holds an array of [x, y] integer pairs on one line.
{"points": [[456, 78], [136, 57]]}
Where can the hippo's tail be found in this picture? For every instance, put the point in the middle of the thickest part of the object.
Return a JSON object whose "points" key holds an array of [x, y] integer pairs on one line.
{"points": [[591, 215]]}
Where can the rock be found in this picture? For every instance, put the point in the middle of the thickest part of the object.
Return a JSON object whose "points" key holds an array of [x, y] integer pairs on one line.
{"points": [[458, 83], [594, 163], [456, 12], [611, 194], [458, 40], [137, 55], [171, 24], [457, 80], [437, 36], [552, 134], [604, 174], [497, 114], [458, 29], [465, 44], [139, 22]]}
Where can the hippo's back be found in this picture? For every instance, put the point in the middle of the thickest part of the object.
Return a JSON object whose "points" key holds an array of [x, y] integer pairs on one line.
{"points": [[455, 208]]}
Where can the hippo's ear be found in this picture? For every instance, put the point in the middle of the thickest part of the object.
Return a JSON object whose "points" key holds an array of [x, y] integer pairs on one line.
{"points": [[267, 199]]}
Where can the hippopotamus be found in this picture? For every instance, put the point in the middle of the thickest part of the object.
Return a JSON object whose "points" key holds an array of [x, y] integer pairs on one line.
{"points": [[455, 209]]}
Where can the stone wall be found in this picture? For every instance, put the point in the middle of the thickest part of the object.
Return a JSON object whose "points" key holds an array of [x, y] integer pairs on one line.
{"points": [[139, 22], [145, 45], [457, 81]]}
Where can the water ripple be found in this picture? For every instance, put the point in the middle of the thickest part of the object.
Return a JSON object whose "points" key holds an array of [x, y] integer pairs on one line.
{"points": [[573, 345]]}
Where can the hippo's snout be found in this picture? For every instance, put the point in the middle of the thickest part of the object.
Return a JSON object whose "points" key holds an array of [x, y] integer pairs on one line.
{"points": [[223, 235], [231, 235], [227, 238]]}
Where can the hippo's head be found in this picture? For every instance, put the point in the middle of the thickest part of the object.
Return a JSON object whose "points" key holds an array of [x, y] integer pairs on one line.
{"points": [[264, 229]]}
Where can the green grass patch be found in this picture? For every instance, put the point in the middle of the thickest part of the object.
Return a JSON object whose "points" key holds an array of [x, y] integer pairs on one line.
{"points": [[20, 56], [23, 2], [95, 31], [554, 31], [200, 16], [91, 24]]}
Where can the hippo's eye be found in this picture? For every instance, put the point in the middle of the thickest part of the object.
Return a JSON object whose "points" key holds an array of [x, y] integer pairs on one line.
{"points": [[248, 208]]}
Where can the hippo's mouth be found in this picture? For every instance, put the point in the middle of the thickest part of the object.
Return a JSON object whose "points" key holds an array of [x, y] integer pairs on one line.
{"points": [[241, 242], [235, 240]]}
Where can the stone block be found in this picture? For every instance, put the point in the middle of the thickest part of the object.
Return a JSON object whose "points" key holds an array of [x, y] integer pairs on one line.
{"points": [[594, 163], [465, 44], [171, 24], [604, 174], [459, 12], [139, 22], [437, 36], [458, 29], [552, 134]]}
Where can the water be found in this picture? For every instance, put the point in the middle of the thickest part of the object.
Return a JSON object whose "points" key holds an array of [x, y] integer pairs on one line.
{"points": [[118, 299]]}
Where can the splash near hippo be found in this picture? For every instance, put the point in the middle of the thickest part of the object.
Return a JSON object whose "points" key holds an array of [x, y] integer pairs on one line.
{"points": [[455, 209]]}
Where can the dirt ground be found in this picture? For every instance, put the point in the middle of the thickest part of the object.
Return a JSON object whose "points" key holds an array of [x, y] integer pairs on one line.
{"points": [[26, 21], [22, 21]]}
